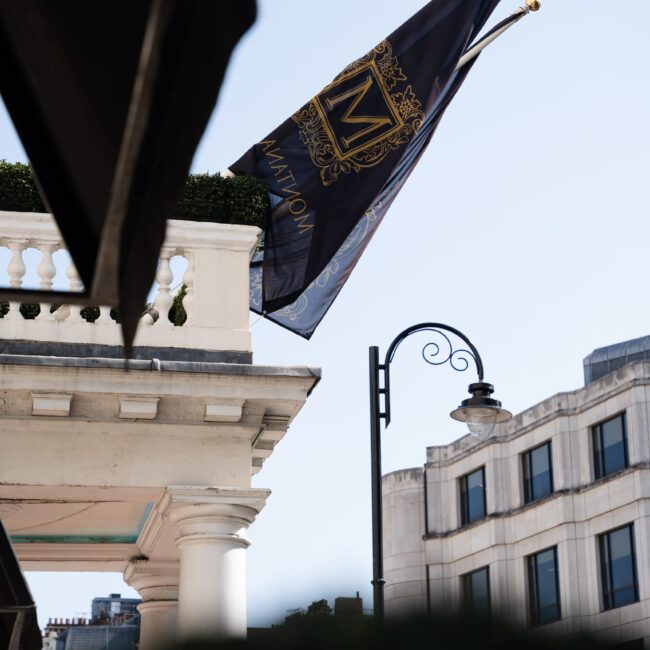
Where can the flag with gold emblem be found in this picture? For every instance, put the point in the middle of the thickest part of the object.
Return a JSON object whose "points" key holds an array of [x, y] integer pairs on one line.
{"points": [[334, 167]]}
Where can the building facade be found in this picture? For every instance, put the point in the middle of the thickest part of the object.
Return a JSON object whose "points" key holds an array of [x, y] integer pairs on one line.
{"points": [[545, 523], [146, 470], [114, 624]]}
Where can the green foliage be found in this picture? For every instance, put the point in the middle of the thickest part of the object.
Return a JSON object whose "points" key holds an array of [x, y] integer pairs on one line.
{"points": [[210, 197], [91, 314], [206, 197], [18, 191], [30, 311], [177, 314]]}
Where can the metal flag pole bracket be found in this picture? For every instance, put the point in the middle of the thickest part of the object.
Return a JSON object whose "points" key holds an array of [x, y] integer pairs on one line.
{"points": [[497, 30]]}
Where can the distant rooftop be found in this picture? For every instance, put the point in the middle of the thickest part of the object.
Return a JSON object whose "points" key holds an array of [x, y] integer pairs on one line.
{"points": [[99, 637], [605, 360]]}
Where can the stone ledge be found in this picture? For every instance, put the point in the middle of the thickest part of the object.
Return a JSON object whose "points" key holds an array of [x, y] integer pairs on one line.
{"points": [[96, 350], [207, 367]]}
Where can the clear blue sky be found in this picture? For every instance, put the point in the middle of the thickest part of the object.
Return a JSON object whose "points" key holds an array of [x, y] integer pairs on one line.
{"points": [[525, 225]]}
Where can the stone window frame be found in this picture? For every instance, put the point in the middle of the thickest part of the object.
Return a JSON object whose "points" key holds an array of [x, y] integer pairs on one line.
{"points": [[464, 497], [533, 595], [596, 439], [607, 592], [529, 496], [466, 593]]}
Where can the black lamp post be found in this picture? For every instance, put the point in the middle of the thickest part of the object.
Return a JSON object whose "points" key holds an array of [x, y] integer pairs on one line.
{"points": [[480, 412]]}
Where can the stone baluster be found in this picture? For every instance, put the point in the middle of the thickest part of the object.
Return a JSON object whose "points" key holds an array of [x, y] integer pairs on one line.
{"points": [[188, 281], [75, 285], [46, 273], [16, 271], [163, 300], [104, 316]]}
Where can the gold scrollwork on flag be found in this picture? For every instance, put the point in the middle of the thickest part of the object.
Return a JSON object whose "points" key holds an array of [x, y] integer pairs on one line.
{"points": [[368, 111]]}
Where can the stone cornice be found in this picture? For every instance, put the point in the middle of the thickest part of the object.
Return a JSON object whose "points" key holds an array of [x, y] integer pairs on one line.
{"points": [[564, 404], [252, 499], [134, 365], [38, 556], [558, 494]]}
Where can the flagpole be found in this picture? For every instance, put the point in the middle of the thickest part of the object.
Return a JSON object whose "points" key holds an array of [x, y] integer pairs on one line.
{"points": [[496, 31]]}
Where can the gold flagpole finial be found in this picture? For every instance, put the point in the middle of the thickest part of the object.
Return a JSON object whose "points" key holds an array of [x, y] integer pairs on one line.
{"points": [[533, 5]]}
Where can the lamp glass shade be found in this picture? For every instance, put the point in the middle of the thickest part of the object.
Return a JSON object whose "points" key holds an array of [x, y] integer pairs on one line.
{"points": [[481, 412], [481, 420]]}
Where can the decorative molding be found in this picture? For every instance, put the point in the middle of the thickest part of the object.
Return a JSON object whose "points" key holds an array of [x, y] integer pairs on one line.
{"points": [[182, 502], [75, 553], [52, 404], [152, 528], [138, 407], [276, 421], [219, 411]]}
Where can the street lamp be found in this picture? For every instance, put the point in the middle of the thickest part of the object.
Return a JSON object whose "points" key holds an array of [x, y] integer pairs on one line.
{"points": [[480, 412]]}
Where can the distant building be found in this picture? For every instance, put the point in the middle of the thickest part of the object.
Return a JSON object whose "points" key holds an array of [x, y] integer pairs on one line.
{"points": [[547, 522], [346, 606], [114, 625], [55, 627], [114, 609]]}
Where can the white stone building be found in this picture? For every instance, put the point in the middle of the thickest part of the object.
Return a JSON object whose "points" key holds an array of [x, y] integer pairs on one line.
{"points": [[146, 471], [547, 522]]}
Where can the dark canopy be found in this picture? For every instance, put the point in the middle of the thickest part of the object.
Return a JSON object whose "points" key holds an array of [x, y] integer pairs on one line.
{"points": [[18, 626], [110, 99]]}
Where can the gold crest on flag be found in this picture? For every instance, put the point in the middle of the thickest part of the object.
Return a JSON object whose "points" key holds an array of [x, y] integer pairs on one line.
{"points": [[368, 111]]}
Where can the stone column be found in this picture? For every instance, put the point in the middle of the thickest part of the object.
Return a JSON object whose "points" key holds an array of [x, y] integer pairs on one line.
{"points": [[212, 586], [157, 584]]}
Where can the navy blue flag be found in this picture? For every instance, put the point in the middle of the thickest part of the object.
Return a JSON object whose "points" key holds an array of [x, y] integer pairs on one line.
{"points": [[335, 166]]}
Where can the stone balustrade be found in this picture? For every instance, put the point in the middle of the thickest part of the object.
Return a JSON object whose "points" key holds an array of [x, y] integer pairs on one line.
{"points": [[216, 301]]}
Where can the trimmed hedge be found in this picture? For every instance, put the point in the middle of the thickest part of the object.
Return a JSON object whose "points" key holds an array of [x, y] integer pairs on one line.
{"points": [[206, 197], [236, 199], [18, 191]]}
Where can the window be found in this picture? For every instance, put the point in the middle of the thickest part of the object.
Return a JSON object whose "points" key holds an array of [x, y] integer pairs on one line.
{"points": [[618, 567], [476, 591], [543, 587], [472, 496], [538, 473], [610, 446]]}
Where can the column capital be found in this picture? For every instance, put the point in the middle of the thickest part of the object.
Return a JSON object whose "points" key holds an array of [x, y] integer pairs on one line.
{"points": [[180, 495], [157, 583], [154, 580], [220, 514]]}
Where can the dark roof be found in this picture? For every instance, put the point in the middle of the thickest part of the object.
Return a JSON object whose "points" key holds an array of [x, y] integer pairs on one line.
{"points": [[604, 360], [100, 637]]}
